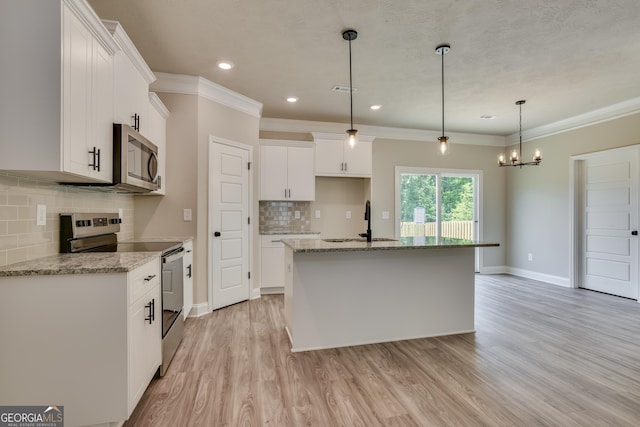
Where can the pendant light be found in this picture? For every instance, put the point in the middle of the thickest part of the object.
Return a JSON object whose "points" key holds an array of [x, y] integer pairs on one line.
{"points": [[442, 50], [352, 134], [516, 156]]}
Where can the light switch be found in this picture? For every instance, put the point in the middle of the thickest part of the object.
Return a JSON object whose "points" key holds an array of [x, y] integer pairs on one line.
{"points": [[296, 214], [317, 213], [41, 215], [120, 213], [187, 214], [348, 216], [385, 214]]}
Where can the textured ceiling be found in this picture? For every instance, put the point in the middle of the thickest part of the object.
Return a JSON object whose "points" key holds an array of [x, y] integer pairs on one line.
{"points": [[565, 57]]}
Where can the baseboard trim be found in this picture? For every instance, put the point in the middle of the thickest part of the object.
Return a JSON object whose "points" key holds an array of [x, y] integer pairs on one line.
{"points": [[255, 293], [498, 269], [277, 290], [547, 278], [199, 309]]}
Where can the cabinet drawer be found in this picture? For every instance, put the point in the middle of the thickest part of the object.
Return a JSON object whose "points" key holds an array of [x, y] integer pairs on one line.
{"points": [[143, 279]]}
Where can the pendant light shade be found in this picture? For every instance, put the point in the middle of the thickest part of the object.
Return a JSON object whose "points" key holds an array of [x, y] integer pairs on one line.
{"points": [[515, 157], [442, 50], [352, 134]]}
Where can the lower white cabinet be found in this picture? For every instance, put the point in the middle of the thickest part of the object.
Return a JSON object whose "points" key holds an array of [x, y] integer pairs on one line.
{"points": [[187, 281], [272, 260], [90, 342]]}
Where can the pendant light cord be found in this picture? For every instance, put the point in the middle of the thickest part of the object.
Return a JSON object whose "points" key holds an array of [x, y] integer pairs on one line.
{"points": [[442, 74], [350, 86]]}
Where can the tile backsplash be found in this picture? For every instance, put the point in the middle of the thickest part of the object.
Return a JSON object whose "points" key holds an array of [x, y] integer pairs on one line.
{"points": [[21, 239], [281, 217]]}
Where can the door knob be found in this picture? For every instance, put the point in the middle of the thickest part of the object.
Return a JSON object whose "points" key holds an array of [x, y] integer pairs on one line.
{"points": [[634, 233], [216, 234]]}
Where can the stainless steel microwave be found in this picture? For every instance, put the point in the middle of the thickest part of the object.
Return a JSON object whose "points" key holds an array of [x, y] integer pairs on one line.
{"points": [[135, 160]]}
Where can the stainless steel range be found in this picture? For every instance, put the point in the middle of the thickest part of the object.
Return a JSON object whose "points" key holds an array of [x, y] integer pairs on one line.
{"points": [[96, 232]]}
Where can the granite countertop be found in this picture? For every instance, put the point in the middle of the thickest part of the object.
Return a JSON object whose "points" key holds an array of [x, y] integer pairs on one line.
{"points": [[285, 232], [84, 263], [320, 245]]}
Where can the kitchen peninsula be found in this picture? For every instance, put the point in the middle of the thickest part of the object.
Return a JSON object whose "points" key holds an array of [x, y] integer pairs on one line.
{"points": [[343, 292]]}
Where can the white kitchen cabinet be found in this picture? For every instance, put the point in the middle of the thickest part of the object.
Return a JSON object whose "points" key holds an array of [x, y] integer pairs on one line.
{"points": [[272, 268], [132, 78], [145, 329], [96, 338], [156, 133], [187, 282], [334, 156], [286, 171], [57, 85]]}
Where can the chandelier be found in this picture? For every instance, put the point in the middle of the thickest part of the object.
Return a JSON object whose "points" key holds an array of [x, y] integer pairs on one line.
{"points": [[516, 156]]}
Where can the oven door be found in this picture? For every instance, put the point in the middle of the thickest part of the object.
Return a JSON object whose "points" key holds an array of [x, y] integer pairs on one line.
{"points": [[172, 288]]}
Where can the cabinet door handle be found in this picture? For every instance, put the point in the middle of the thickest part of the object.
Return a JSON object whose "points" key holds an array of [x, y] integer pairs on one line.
{"points": [[149, 278], [285, 193], [345, 166], [153, 310], [149, 318], [289, 193], [95, 164], [341, 166], [189, 271], [136, 122]]}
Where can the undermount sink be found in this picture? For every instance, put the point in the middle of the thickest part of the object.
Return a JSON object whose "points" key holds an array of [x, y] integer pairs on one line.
{"points": [[359, 239]]}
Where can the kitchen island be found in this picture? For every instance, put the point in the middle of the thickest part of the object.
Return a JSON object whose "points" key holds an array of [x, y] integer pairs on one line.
{"points": [[342, 293]]}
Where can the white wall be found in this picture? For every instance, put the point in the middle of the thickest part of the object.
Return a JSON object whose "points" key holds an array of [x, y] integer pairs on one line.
{"points": [[537, 198]]}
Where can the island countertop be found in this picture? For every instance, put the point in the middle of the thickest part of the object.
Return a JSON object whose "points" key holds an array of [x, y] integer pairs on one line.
{"points": [[343, 245], [82, 263]]}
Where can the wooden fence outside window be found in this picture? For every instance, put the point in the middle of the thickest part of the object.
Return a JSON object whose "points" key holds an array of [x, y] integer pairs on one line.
{"points": [[455, 229]]}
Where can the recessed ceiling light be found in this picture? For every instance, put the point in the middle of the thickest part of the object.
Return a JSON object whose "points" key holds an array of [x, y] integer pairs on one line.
{"points": [[225, 65], [376, 107], [292, 99], [488, 116]]}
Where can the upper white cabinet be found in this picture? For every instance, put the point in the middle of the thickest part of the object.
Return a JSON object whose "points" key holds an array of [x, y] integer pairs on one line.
{"points": [[131, 84], [334, 156], [57, 85], [286, 170], [156, 133]]}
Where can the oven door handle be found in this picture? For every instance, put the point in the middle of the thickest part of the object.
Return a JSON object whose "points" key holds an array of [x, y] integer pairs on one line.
{"points": [[179, 253]]}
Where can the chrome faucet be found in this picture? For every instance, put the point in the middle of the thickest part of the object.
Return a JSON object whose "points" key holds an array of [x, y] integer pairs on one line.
{"points": [[367, 217]]}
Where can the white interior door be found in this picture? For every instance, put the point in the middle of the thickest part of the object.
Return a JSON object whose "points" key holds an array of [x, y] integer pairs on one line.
{"points": [[610, 206], [229, 228]]}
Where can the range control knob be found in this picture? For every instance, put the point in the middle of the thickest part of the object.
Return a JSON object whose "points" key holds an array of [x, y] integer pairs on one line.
{"points": [[83, 223], [116, 221]]}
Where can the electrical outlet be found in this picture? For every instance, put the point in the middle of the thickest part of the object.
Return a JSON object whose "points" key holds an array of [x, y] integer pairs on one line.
{"points": [[348, 215], [530, 257], [187, 215], [317, 213], [41, 215], [296, 214], [385, 214], [120, 213]]}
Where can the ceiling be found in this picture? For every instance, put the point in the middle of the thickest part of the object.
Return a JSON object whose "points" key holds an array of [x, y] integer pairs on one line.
{"points": [[565, 58]]}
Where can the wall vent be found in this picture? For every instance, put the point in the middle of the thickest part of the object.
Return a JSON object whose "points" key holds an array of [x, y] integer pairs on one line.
{"points": [[342, 89]]}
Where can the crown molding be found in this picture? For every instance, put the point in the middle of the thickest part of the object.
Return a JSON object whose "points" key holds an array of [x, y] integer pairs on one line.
{"points": [[601, 115], [339, 136], [126, 45], [195, 85], [88, 16], [329, 128], [159, 106]]}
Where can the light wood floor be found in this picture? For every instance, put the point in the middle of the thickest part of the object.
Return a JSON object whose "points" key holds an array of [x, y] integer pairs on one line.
{"points": [[541, 355]]}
